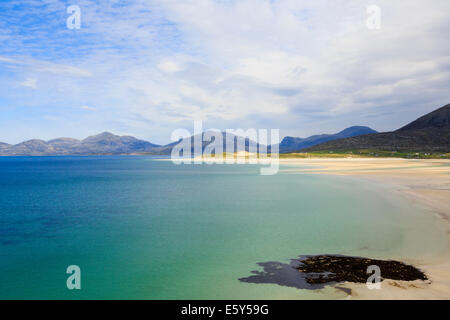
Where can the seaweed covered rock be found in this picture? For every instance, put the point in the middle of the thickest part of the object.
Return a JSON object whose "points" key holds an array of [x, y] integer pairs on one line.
{"points": [[334, 268]]}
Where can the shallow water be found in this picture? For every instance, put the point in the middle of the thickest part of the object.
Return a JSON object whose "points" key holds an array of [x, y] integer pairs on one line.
{"points": [[147, 229]]}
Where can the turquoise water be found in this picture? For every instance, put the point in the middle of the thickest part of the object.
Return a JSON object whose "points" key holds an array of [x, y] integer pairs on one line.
{"points": [[142, 228]]}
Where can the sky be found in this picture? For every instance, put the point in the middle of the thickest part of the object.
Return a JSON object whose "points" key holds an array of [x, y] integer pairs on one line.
{"points": [[146, 68]]}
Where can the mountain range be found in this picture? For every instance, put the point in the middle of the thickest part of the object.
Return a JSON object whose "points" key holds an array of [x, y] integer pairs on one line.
{"points": [[103, 143], [108, 143], [430, 133]]}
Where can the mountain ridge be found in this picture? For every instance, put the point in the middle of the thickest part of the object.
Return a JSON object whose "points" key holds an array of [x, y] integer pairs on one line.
{"points": [[289, 144], [438, 118], [102, 143], [430, 133]]}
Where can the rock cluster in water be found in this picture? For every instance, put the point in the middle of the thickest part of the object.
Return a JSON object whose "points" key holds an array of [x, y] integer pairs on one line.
{"points": [[332, 268]]}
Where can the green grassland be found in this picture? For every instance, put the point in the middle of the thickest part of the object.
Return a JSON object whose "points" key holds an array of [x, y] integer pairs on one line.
{"points": [[367, 153]]}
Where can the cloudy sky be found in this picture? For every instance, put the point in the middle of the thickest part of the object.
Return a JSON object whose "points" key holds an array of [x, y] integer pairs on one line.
{"points": [[145, 68]]}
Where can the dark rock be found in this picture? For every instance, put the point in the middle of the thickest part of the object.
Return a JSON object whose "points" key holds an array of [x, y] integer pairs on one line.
{"points": [[333, 268]]}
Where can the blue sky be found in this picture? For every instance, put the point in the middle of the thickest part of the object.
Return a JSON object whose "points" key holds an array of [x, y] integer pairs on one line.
{"points": [[145, 68]]}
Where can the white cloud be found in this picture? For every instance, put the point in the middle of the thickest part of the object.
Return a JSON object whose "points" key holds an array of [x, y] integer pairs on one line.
{"points": [[36, 65], [167, 62], [42, 66], [169, 66], [30, 83], [87, 108], [9, 60]]}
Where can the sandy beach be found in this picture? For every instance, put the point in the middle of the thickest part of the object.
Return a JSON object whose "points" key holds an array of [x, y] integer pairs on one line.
{"points": [[423, 182]]}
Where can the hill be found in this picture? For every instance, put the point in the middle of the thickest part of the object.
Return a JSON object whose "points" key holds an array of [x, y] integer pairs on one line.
{"points": [[289, 144], [429, 133]]}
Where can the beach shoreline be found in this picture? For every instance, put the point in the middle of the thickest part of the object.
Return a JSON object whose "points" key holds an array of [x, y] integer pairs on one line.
{"points": [[425, 183]]}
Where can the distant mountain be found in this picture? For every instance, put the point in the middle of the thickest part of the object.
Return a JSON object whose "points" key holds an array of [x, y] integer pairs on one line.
{"points": [[429, 133], [108, 143], [30, 147], [247, 144], [63, 143], [289, 144], [103, 143]]}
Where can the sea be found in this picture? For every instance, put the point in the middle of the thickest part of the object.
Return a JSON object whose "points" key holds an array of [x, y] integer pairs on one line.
{"points": [[142, 227]]}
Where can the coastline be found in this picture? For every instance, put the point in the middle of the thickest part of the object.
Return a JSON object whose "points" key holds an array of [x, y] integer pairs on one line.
{"points": [[425, 183]]}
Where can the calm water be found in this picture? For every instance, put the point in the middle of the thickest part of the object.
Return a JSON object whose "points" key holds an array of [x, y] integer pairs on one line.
{"points": [[147, 229]]}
